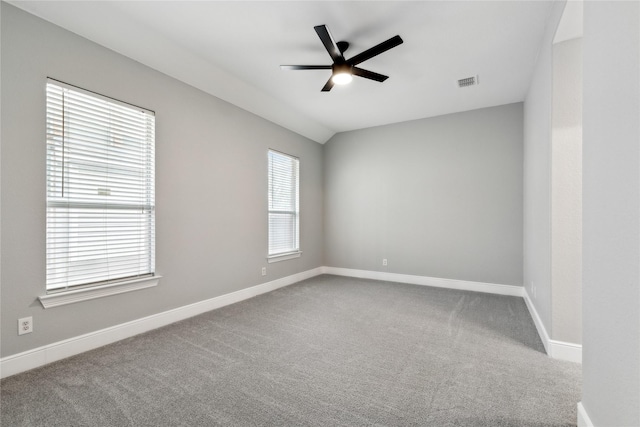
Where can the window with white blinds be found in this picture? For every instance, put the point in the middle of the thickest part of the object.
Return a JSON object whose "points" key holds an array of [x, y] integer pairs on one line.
{"points": [[100, 189], [283, 204]]}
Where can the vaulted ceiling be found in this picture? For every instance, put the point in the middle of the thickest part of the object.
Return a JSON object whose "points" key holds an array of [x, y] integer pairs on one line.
{"points": [[233, 50]]}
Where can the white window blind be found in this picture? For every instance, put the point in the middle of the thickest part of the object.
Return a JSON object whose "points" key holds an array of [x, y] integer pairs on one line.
{"points": [[283, 204], [100, 189]]}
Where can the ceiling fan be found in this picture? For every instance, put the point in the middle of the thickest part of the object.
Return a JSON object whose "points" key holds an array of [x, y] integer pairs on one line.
{"points": [[343, 69]]}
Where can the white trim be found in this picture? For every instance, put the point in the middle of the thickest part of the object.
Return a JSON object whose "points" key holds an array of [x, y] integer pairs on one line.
{"points": [[583, 417], [83, 294], [283, 257], [31, 359], [556, 349], [565, 351], [490, 288], [542, 331]]}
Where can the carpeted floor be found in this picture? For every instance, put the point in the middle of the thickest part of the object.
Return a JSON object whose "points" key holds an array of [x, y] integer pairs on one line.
{"points": [[329, 351]]}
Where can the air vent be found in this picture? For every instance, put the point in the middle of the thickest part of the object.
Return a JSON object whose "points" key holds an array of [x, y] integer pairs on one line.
{"points": [[468, 81]]}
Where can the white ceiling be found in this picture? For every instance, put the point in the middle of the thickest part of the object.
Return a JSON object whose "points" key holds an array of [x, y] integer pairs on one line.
{"points": [[233, 51]]}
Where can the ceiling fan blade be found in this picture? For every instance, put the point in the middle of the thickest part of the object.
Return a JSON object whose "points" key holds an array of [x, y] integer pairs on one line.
{"points": [[329, 43], [376, 50], [305, 67], [327, 87], [369, 74]]}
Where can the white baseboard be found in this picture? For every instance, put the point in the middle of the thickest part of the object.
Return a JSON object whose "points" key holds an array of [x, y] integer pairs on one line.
{"points": [[556, 349], [490, 288], [565, 351], [542, 331], [40, 356], [583, 417]]}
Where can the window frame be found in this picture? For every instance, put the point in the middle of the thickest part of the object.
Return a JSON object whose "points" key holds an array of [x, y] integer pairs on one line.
{"points": [[64, 290], [293, 252]]}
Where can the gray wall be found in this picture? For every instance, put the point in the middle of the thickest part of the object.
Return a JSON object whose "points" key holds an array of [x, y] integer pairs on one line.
{"points": [[537, 174], [438, 197], [611, 209], [566, 192], [211, 189]]}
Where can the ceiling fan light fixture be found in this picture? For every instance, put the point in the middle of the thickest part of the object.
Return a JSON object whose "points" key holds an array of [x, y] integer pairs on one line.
{"points": [[342, 78], [342, 74], [342, 69]]}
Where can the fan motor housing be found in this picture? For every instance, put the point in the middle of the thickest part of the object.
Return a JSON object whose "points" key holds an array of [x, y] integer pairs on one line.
{"points": [[342, 68]]}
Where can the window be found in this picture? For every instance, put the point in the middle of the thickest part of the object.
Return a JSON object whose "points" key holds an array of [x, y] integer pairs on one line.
{"points": [[100, 189], [284, 218]]}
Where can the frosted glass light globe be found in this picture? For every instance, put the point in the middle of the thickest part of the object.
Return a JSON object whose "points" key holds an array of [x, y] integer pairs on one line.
{"points": [[342, 78]]}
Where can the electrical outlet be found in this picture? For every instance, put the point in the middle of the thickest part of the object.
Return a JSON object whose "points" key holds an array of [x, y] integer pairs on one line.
{"points": [[25, 325], [384, 261], [264, 271]]}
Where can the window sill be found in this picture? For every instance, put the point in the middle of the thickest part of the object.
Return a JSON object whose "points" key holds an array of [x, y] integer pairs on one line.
{"points": [[77, 295], [283, 257]]}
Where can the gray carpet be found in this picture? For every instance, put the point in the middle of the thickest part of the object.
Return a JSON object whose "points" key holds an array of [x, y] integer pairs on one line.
{"points": [[329, 351]]}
